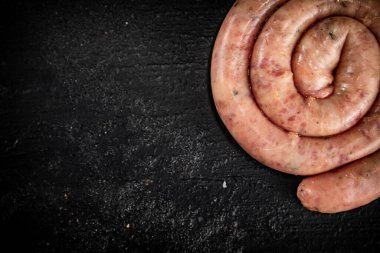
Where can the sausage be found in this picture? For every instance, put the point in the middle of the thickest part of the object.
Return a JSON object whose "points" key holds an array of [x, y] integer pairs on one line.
{"points": [[342, 189], [296, 83]]}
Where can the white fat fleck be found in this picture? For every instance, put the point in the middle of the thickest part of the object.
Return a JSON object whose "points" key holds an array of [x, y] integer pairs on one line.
{"points": [[294, 138]]}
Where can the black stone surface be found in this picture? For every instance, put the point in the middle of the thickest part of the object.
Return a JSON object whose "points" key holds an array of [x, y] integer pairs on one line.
{"points": [[110, 140]]}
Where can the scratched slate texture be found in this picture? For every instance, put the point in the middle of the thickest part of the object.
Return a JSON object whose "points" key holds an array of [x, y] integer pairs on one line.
{"points": [[110, 141]]}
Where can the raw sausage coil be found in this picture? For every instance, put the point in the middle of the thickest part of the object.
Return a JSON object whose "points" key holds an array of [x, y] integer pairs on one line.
{"points": [[296, 83]]}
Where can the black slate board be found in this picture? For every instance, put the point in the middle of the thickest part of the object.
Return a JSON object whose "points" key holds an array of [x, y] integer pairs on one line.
{"points": [[110, 140]]}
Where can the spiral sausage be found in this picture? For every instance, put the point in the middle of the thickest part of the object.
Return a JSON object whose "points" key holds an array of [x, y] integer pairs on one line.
{"points": [[296, 83]]}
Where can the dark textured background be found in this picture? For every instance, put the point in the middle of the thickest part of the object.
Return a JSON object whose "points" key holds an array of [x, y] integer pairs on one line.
{"points": [[110, 140]]}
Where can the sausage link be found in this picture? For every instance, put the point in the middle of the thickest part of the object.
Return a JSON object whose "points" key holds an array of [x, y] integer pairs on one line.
{"points": [[296, 83], [342, 189]]}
